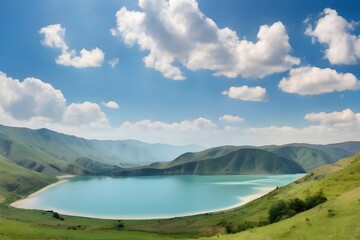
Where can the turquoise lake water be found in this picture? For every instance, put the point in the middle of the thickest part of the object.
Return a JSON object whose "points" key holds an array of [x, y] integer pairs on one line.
{"points": [[153, 197]]}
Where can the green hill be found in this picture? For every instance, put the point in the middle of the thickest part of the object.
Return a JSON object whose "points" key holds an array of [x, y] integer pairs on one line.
{"points": [[241, 161], [309, 156]]}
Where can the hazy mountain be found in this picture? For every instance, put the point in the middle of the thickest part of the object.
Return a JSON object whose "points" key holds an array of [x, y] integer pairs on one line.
{"points": [[70, 148]]}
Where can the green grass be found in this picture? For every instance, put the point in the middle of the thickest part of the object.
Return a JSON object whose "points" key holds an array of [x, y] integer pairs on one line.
{"points": [[338, 218]]}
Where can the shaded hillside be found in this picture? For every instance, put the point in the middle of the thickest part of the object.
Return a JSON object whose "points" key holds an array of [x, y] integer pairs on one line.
{"points": [[17, 182], [311, 156], [241, 161], [307, 157], [32, 158], [69, 148]]}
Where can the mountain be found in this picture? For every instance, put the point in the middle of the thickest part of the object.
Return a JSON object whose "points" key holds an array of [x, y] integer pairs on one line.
{"points": [[70, 148], [309, 156], [223, 162]]}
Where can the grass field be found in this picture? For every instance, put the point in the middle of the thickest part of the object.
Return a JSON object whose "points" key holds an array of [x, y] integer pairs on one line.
{"points": [[338, 218]]}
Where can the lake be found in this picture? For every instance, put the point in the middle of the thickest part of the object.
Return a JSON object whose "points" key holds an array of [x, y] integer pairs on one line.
{"points": [[153, 197]]}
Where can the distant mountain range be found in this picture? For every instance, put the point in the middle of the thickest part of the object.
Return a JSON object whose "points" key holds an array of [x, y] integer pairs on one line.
{"points": [[290, 158], [55, 153], [51, 153], [241, 161]]}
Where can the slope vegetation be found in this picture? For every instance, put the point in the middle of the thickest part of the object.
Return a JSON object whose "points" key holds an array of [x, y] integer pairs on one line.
{"points": [[338, 218]]}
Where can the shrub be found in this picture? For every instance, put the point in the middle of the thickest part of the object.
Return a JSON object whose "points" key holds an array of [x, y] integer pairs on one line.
{"points": [[297, 205], [285, 209], [277, 211], [120, 225], [315, 200], [56, 215]]}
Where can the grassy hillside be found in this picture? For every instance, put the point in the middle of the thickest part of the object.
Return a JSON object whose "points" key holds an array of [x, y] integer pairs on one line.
{"points": [[337, 218], [37, 160], [242, 161]]}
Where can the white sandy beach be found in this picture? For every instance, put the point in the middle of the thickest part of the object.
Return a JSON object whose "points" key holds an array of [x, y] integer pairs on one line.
{"points": [[62, 179]]}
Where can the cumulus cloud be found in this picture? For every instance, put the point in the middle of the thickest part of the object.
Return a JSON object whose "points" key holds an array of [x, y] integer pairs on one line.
{"points": [[245, 93], [29, 98], [335, 32], [54, 37], [85, 114], [344, 118], [231, 118], [111, 104], [33, 100], [328, 128], [113, 62], [177, 33], [314, 80]]}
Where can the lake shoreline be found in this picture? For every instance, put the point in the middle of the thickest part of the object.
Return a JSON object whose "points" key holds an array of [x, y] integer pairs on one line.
{"points": [[242, 201], [61, 179], [259, 192]]}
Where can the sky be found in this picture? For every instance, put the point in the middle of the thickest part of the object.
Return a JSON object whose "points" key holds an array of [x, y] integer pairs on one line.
{"points": [[182, 72]]}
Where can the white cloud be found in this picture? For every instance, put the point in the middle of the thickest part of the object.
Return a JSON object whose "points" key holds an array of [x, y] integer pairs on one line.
{"points": [[330, 128], [54, 37], [190, 131], [344, 118], [177, 33], [113, 62], [85, 114], [231, 118], [111, 104], [183, 126], [314, 80], [29, 98], [33, 102], [92, 58], [335, 32], [245, 93]]}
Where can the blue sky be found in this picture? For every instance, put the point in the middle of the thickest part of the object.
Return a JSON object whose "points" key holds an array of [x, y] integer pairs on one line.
{"points": [[203, 72]]}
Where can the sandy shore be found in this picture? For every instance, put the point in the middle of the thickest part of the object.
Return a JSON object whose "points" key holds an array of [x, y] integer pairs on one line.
{"points": [[62, 179]]}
